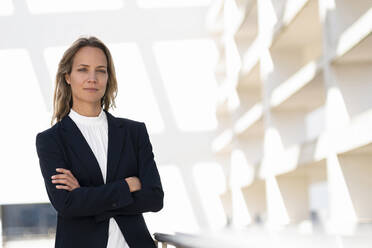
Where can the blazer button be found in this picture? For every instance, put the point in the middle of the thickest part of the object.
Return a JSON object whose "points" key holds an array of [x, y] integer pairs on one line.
{"points": [[114, 205]]}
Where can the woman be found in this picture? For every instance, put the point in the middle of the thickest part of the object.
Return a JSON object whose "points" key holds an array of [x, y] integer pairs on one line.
{"points": [[99, 170]]}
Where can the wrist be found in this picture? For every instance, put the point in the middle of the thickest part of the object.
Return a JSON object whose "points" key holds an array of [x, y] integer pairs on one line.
{"points": [[129, 186]]}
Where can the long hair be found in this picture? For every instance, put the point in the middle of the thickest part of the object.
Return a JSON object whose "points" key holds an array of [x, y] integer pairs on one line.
{"points": [[62, 101]]}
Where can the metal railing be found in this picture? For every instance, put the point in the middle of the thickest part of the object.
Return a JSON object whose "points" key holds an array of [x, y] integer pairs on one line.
{"points": [[178, 240]]}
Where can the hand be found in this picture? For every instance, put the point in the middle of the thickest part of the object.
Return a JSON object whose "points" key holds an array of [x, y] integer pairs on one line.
{"points": [[65, 178], [134, 183]]}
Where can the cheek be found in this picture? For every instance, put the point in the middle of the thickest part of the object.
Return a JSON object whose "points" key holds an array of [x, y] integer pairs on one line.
{"points": [[102, 82], [102, 78], [78, 78]]}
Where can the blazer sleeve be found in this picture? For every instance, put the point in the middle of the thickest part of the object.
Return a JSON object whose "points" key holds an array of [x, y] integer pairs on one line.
{"points": [[83, 201], [150, 197]]}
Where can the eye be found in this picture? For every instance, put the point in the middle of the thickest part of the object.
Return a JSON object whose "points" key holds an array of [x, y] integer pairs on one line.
{"points": [[82, 69], [103, 71]]}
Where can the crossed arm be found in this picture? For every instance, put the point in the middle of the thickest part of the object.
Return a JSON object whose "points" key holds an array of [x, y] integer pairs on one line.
{"points": [[70, 182], [133, 195]]}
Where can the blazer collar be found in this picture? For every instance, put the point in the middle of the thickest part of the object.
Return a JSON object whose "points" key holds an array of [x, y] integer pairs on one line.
{"points": [[78, 144]]}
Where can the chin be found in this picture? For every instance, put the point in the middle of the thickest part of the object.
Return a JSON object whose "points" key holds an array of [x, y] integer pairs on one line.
{"points": [[91, 100]]}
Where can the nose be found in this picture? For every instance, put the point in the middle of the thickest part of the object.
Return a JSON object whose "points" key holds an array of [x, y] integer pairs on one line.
{"points": [[92, 77]]}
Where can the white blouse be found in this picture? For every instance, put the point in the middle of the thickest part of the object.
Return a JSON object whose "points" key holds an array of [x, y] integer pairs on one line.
{"points": [[95, 132]]}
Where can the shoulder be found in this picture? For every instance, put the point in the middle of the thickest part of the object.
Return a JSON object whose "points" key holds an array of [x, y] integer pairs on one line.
{"points": [[48, 134], [130, 123], [138, 128]]}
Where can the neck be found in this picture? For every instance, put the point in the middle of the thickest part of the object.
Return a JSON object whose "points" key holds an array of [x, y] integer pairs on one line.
{"points": [[87, 110]]}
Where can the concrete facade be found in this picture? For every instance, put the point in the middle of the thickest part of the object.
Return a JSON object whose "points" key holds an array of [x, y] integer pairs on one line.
{"points": [[295, 98]]}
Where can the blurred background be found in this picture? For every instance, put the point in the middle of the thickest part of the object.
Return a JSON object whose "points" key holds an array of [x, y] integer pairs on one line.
{"points": [[259, 113]]}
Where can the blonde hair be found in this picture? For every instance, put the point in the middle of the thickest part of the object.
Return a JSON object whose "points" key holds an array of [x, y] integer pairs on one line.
{"points": [[62, 101]]}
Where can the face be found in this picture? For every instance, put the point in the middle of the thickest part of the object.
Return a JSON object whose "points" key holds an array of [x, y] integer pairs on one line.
{"points": [[88, 77]]}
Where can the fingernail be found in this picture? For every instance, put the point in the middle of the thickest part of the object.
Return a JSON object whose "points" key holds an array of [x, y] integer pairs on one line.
{"points": [[52, 177]]}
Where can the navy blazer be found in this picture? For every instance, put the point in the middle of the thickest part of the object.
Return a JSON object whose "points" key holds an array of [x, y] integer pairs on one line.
{"points": [[84, 213]]}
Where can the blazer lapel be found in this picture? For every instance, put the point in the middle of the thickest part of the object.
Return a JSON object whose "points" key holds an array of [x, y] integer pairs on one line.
{"points": [[79, 145], [116, 137]]}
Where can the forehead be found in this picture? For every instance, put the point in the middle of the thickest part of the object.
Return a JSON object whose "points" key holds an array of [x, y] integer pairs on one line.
{"points": [[90, 56]]}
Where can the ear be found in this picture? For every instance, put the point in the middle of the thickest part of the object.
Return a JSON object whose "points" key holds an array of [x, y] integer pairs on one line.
{"points": [[67, 78]]}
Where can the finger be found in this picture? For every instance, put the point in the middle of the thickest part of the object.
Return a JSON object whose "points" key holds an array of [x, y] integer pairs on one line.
{"points": [[62, 181], [66, 182], [66, 179], [62, 170], [59, 176], [70, 186], [63, 187], [68, 173], [63, 176]]}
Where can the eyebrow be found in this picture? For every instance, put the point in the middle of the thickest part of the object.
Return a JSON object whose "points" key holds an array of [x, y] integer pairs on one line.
{"points": [[88, 65]]}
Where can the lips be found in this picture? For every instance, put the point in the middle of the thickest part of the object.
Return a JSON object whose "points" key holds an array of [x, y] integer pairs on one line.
{"points": [[91, 89]]}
